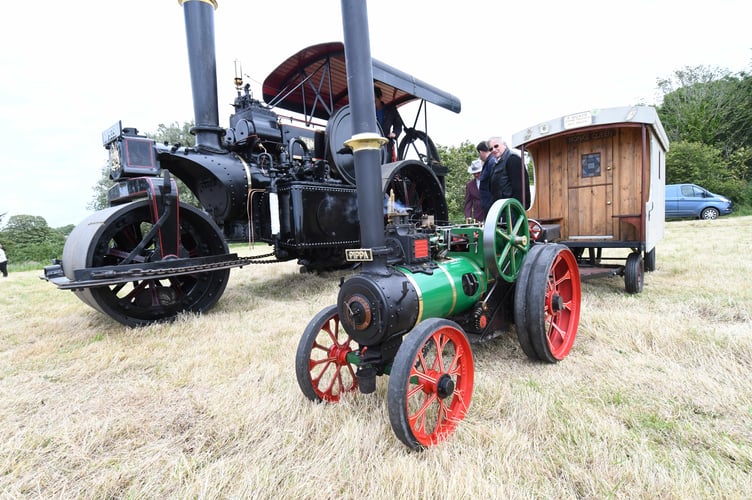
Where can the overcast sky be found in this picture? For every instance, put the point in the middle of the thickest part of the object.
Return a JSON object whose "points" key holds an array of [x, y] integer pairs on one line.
{"points": [[72, 69]]}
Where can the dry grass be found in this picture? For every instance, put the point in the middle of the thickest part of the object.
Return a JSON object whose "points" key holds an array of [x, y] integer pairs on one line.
{"points": [[655, 399]]}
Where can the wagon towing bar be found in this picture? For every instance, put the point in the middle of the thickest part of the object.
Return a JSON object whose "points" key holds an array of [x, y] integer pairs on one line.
{"points": [[111, 275]]}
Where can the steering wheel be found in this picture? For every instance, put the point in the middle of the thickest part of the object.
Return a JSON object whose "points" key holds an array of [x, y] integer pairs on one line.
{"points": [[536, 229]]}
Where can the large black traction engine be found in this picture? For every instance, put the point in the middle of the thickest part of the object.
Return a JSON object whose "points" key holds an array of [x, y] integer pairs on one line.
{"points": [[288, 181]]}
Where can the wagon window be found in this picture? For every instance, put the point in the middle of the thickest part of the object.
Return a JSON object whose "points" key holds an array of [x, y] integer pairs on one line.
{"points": [[591, 165], [530, 165]]}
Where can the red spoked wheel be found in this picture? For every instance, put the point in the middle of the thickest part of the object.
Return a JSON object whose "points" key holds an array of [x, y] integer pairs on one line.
{"points": [[553, 303], [321, 364], [431, 383]]}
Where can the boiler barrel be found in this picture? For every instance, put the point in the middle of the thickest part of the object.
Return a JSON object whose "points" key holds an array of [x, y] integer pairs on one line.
{"points": [[373, 307], [454, 287]]}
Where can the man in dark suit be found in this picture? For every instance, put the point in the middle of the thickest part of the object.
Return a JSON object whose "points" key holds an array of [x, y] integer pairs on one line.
{"points": [[509, 178], [487, 161], [390, 122]]}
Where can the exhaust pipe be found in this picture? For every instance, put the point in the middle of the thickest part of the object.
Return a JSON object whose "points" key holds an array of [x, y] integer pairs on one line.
{"points": [[199, 32]]}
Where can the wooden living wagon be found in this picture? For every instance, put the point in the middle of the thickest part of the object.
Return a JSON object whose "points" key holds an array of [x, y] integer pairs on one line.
{"points": [[600, 180]]}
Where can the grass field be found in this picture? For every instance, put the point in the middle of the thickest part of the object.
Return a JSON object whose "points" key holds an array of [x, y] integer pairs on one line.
{"points": [[654, 401]]}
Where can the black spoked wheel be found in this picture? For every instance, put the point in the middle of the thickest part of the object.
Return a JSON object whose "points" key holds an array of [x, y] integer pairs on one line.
{"points": [[431, 383], [634, 275], [416, 188], [108, 236], [416, 145], [553, 303], [321, 365], [338, 130]]}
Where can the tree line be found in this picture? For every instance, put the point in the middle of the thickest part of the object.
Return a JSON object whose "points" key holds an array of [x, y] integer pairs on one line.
{"points": [[706, 113], [28, 238]]}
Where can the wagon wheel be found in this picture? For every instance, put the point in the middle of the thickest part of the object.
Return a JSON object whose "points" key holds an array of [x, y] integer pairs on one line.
{"points": [[416, 145], [649, 260], [520, 300], [634, 273], [553, 303], [321, 365], [505, 244], [431, 383], [107, 237]]}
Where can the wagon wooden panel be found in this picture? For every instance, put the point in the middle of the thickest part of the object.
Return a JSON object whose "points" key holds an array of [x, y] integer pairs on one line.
{"points": [[600, 176], [593, 178]]}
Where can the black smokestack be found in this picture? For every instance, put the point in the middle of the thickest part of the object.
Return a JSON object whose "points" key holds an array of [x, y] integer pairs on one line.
{"points": [[199, 32], [366, 141]]}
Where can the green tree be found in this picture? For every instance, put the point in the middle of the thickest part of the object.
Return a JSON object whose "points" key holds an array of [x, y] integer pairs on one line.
{"points": [[28, 238], [99, 198], [173, 133], [65, 230], [740, 164], [457, 159], [27, 229], [692, 162], [735, 131], [695, 103]]}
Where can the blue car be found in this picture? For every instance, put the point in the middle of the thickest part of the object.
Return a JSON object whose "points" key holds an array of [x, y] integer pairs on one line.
{"points": [[692, 201]]}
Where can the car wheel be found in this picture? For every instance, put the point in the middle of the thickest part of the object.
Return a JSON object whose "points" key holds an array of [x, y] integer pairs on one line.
{"points": [[709, 213]]}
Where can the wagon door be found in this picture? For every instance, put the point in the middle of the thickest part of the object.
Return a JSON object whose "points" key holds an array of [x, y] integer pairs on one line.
{"points": [[590, 174]]}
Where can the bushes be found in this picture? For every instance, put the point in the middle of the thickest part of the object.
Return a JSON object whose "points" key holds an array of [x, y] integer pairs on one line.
{"points": [[40, 252], [28, 238]]}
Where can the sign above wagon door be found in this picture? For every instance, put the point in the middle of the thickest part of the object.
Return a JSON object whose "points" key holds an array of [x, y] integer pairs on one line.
{"points": [[578, 120]]}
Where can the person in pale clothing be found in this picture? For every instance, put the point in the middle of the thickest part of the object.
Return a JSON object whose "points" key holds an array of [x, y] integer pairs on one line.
{"points": [[473, 210], [3, 262]]}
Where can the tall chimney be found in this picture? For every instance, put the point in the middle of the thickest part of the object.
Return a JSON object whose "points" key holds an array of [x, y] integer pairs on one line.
{"points": [[366, 141], [199, 32]]}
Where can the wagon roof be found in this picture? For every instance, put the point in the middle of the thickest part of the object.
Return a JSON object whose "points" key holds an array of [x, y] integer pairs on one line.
{"points": [[595, 118], [314, 82]]}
